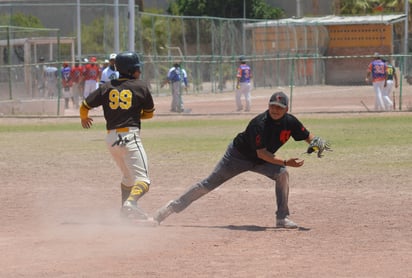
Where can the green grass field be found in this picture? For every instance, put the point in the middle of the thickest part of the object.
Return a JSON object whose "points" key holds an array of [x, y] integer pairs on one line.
{"points": [[376, 141]]}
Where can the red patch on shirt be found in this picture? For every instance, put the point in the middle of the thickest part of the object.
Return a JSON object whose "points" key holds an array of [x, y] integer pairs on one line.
{"points": [[258, 140], [284, 136]]}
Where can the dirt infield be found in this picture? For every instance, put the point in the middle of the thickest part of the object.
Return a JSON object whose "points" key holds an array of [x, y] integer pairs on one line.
{"points": [[309, 99], [59, 210]]}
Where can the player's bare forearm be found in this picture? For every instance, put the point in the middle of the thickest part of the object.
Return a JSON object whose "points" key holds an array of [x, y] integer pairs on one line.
{"points": [[269, 157]]}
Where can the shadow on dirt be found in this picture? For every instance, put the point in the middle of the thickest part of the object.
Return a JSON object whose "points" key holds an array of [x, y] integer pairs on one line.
{"points": [[250, 228]]}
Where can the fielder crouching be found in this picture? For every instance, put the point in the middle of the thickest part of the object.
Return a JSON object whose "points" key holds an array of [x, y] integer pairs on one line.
{"points": [[125, 101], [255, 150]]}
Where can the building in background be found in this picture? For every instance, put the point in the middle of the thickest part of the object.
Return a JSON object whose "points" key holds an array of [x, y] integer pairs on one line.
{"points": [[324, 45]]}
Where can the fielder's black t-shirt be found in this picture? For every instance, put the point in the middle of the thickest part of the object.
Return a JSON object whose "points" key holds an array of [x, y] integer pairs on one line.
{"points": [[123, 100], [264, 132]]}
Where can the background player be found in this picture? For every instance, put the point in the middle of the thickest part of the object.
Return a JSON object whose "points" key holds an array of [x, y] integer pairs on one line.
{"points": [[125, 102], [254, 150], [76, 75], [391, 78], [67, 83], [377, 71], [110, 72], [91, 74], [243, 87], [50, 77], [40, 80]]}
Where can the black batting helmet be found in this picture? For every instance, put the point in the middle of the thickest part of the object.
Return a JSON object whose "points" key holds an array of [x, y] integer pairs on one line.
{"points": [[127, 62]]}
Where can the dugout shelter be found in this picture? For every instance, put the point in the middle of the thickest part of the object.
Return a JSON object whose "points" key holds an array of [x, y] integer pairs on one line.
{"points": [[25, 52], [321, 46]]}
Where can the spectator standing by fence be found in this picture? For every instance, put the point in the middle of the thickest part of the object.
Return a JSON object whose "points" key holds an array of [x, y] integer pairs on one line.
{"points": [[50, 76], [177, 77]]}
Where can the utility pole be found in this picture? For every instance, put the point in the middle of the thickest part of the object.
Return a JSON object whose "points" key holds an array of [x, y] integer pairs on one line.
{"points": [[406, 50], [243, 29], [116, 26], [298, 9], [131, 25], [79, 32]]}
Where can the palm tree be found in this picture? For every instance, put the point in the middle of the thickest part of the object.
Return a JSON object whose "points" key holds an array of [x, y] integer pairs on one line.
{"points": [[357, 7], [351, 7]]}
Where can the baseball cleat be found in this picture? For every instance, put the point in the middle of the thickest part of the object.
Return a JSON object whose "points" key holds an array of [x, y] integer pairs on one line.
{"points": [[286, 223], [131, 210], [162, 213]]}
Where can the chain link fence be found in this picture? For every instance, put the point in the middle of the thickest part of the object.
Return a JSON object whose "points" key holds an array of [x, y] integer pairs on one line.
{"points": [[208, 48]]}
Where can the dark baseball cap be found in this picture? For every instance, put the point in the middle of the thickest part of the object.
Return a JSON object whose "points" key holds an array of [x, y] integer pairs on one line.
{"points": [[279, 99]]}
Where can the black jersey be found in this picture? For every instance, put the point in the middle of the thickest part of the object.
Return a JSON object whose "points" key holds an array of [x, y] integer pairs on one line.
{"points": [[123, 100], [264, 132], [390, 71]]}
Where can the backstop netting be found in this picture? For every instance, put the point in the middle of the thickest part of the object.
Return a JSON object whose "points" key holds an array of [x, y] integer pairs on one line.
{"points": [[208, 48]]}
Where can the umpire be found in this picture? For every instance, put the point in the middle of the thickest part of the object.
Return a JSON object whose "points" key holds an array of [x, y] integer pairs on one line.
{"points": [[255, 150], [126, 101]]}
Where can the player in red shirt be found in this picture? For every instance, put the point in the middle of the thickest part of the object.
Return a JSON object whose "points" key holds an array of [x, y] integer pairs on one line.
{"points": [[91, 75], [76, 75]]}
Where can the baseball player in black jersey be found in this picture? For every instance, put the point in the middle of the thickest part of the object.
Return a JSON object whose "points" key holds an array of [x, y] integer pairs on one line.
{"points": [[254, 150], [126, 101]]}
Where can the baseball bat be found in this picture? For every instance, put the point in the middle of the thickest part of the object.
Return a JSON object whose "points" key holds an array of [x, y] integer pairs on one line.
{"points": [[394, 99], [365, 105]]}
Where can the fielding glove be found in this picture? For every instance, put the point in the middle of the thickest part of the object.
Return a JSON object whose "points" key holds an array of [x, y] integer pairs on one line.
{"points": [[318, 145]]}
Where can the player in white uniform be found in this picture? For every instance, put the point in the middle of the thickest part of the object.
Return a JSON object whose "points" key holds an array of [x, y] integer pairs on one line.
{"points": [[50, 76]]}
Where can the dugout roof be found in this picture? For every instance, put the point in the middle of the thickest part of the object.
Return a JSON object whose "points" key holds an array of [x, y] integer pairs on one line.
{"points": [[333, 20]]}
